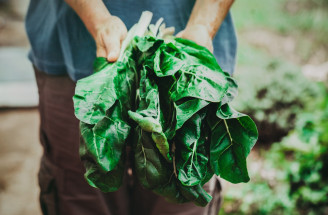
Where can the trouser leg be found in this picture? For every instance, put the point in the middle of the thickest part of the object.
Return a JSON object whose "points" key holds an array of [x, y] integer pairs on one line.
{"points": [[63, 187]]}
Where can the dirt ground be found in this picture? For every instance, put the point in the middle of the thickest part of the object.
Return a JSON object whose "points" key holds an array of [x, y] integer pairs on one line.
{"points": [[19, 162], [20, 149]]}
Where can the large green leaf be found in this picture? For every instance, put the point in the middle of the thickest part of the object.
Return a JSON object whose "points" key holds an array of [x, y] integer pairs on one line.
{"points": [[99, 64], [95, 176], [198, 81], [124, 83], [167, 60], [148, 114], [192, 159], [106, 181], [106, 140], [196, 54], [151, 168], [95, 94], [196, 194], [231, 141], [170, 191], [195, 69], [186, 109]]}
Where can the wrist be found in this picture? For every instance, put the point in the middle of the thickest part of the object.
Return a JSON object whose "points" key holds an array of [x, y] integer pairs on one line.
{"points": [[202, 28]]}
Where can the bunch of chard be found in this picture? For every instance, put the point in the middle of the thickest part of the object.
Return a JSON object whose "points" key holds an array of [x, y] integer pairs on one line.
{"points": [[168, 99]]}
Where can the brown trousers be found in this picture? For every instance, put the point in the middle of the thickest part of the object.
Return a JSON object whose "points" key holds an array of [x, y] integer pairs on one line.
{"points": [[64, 190]]}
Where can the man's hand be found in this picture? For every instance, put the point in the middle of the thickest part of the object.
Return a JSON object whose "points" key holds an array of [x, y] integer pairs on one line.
{"points": [[109, 36], [198, 34], [108, 31]]}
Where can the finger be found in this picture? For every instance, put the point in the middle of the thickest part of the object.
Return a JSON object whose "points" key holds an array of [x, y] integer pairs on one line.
{"points": [[124, 32], [101, 51], [210, 46], [211, 49], [113, 47]]}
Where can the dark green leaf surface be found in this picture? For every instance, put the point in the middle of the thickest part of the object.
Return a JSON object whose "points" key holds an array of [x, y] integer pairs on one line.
{"points": [[192, 160], [95, 94], [99, 64], [152, 170], [95, 176], [105, 142], [232, 139], [199, 81], [148, 114], [171, 192], [187, 109], [196, 194]]}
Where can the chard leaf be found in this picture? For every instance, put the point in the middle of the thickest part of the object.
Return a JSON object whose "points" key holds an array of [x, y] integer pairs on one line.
{"points": [[95, 94], [99, 64], [197, 54], [198, 81], [196, 194], [187, 109], [192, 159], [105, 181], [170, 191], [148, 124], [167, 60], [95, 176], [124, 83], [152, 170], [148, 114], [144, 43], [232, 90], [232, 139], [106, 141], [111, 129]]}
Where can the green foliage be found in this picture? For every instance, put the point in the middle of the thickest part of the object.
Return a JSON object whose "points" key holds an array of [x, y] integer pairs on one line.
{"points": [[169, 99], [274, 93], [309, 176], [293, 178], [287, 177]]}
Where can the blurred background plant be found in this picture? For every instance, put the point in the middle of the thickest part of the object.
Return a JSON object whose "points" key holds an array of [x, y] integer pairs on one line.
{"points": [[282, 72]]}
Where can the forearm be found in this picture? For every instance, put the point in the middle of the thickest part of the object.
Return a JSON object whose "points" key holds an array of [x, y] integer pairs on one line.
{"points": [[209, 13], [91, 13]]}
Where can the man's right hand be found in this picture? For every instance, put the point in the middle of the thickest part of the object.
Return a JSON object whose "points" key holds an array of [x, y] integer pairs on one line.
{"points": [[108, 31], [109, 35]]}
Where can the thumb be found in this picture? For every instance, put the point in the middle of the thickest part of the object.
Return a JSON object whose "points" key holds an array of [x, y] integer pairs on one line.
{"points": [[113, 47]]}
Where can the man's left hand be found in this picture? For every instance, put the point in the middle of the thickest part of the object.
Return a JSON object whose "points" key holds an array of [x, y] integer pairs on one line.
{"points": [[199, 34]]}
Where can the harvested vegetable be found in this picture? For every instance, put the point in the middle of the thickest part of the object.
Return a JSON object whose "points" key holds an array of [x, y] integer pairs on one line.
{"points": [[168, 99]]}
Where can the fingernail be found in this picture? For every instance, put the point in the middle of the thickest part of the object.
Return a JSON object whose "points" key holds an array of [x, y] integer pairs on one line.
{"points": [[111, 56]]}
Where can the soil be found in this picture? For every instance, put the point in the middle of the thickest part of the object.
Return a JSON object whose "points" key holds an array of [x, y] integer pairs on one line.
{"points": [[20, 154]]}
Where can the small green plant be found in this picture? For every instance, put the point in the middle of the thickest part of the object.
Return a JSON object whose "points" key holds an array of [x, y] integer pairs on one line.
{"points": [[274, 94], [293, 178]]}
